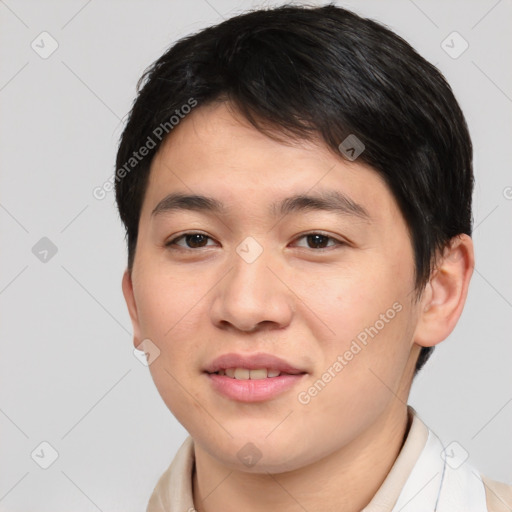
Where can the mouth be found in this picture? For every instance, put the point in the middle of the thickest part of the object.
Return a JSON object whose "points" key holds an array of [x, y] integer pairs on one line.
{"points": [[252, 378], [252, 366], [256, 374]]}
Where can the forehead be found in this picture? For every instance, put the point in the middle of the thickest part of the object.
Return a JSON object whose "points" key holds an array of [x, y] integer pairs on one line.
{"points": [[215, 152]]}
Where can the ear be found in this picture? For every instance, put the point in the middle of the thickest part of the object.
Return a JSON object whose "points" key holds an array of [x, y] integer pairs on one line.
{"points": [[129, 297], [445, 294]]}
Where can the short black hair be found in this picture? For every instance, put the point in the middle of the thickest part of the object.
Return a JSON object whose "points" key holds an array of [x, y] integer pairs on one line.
{"points": [[302, 72]]}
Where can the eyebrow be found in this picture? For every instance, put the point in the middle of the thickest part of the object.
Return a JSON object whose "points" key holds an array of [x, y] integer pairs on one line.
{"points": [[330, 201]]}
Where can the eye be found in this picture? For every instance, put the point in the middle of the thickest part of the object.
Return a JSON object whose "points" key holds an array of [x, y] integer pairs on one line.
{"points": [[192, 241], [320, 241]]}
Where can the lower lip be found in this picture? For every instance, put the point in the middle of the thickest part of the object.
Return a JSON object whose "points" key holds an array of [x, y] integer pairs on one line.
{"points": [[257, 390]]}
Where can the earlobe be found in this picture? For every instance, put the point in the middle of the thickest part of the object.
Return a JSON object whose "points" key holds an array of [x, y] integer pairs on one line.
{"points": [[129, 297], [445, 294]]}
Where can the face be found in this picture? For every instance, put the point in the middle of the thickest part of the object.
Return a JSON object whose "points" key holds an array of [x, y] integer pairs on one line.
{"points": [[325, 285]]}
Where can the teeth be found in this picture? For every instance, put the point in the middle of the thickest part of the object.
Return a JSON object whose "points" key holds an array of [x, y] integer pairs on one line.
{"points": [[245, 374], [257, 374], [242, 373]]}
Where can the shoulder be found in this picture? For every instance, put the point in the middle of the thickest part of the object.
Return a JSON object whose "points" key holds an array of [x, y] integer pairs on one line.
{"points": [[498, 495]]}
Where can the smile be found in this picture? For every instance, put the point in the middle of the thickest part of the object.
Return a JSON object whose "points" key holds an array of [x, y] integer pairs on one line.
{"points": [[245, 373]]}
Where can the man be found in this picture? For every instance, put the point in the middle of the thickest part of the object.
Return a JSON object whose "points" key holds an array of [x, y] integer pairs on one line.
{"points": [[296, 189]]}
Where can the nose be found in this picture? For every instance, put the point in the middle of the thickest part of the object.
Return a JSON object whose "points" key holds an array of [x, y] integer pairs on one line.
{"points": [[252, 296]]}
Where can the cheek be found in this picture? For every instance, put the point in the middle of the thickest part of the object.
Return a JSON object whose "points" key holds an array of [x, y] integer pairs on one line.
{"points": [[366, 313], [168, 305], [165, 301], [360, 373], [348, 301]]}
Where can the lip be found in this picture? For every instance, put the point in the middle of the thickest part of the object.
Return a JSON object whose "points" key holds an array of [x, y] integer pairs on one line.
{"points": [[253, 390], [257, 390], [252, 362]]}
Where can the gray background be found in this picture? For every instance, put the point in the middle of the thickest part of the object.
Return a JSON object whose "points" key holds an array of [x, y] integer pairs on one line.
{"points": [[68, 373]]}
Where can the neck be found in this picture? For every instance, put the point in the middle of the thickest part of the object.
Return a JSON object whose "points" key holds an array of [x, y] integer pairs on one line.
{"points": [[348, 478]]}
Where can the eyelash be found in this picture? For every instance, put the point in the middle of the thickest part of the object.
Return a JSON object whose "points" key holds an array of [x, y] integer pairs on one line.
{"points": [[172, 242]]}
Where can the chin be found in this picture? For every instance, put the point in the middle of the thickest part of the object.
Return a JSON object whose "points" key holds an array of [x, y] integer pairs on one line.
{"points": [[257, 452]]}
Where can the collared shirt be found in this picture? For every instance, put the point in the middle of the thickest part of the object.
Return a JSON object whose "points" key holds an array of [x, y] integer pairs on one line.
{"points": [[173, 492]]}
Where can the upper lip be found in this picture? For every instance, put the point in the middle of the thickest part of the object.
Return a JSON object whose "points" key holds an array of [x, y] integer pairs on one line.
{"points": [[251, 362]]}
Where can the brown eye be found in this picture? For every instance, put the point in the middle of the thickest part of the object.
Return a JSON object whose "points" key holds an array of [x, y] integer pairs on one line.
{"points": [[192, 241], [319, 241], [196, 240]]}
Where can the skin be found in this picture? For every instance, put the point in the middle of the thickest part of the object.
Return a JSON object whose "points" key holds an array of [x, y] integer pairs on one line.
{"points": [[296, 301]]}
